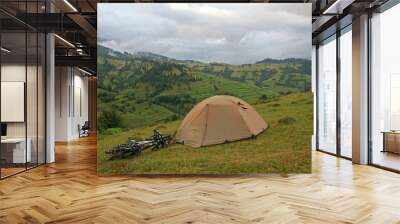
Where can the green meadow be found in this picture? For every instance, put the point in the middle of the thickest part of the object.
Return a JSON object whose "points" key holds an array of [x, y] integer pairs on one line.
{"points": [[283, 148], [138, 93]]}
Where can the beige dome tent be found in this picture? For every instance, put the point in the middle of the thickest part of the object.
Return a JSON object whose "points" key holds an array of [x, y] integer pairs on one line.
{"points": [[219, 119]]}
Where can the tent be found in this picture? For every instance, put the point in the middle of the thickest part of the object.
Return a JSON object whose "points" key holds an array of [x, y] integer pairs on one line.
{"points": [[219, 119]]}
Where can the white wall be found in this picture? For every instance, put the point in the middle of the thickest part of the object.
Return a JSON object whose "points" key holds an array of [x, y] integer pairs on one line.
{"points": [[71, 102], [13, 100], [11, 73], [62, 82], [17, 73], [80, 112]]}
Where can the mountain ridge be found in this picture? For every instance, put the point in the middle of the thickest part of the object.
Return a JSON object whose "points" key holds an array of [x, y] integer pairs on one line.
{"points": [[154, 56]]}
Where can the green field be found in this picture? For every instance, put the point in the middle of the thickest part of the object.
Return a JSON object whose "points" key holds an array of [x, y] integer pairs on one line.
{"points": [[141, 92], [283, 148]]}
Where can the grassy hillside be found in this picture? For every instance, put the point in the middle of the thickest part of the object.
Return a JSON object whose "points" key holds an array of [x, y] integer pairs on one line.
{"points": [[140, 92], [283, 148], [143, 89]]}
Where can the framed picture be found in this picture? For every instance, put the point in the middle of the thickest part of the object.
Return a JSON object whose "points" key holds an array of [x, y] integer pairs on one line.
{"points": [[204, 88]]}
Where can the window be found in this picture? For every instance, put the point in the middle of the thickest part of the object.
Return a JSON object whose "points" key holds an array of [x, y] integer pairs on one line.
{"points": [[327, 96], [385, 89], [346, 93], [22, 77]]}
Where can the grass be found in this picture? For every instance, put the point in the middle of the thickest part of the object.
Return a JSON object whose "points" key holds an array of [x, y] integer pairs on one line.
{"points": [[145, 114], [283, 148], [150, 113], [203, 89]]}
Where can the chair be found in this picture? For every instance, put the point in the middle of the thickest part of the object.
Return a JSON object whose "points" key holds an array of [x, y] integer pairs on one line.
{"points": [[84, 130]]}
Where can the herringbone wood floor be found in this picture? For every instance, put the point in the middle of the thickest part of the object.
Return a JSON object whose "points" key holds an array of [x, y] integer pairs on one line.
{"points": [[69, 191]]}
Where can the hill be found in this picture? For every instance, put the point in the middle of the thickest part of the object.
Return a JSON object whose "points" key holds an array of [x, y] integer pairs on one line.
{"points": [[283, 148], [143, 88], [104, 51], [304, 64]]}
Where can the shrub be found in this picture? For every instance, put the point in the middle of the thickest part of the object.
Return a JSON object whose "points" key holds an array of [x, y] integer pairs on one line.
{"points": [[108, 119], [263, 98]]}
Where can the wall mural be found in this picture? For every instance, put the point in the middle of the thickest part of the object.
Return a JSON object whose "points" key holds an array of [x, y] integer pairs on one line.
{"points": [[204, 88]]}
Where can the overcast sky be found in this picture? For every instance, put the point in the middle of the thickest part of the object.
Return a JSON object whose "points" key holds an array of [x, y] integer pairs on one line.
{"points": [[229, 33]]}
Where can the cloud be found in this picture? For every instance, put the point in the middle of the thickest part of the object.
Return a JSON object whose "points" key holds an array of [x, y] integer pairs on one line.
{"points": [[230, 33]]}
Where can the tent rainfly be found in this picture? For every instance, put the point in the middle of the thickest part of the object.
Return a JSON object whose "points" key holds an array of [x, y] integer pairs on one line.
{"points": [[219, 119]]}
